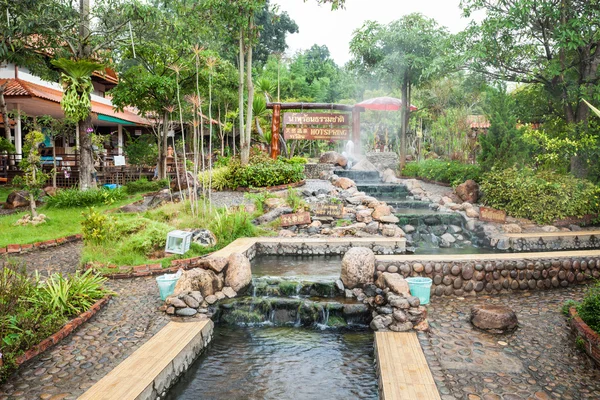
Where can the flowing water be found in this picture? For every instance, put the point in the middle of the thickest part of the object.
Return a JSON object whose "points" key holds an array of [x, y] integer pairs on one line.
{"points": [[282, 363]]}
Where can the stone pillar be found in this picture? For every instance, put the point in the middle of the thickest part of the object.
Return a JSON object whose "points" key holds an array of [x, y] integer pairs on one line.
{"points": [[120, 139], [18, 133]]}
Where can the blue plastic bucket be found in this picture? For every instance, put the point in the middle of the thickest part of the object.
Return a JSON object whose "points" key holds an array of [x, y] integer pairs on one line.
{"points": [[420, 287], [166, 285], [111, 185]]}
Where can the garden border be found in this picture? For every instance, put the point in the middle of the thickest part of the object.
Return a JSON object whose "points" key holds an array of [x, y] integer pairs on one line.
{"points": [[65, 331], [272, 188], [25, 248], [583, 331]]}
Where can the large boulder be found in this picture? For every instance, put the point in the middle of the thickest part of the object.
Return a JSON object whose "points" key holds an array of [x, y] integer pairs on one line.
{"points": [[199, 279], [50, 191], [344, 183], [393, 281], [204, 237], [468, 191], [239, 272], [333, 157], [496, 319], [19, 198], [381, 211], [358, 267]]}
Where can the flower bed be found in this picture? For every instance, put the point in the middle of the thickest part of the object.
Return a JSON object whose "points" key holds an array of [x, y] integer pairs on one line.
{"points": [[585, 336]]}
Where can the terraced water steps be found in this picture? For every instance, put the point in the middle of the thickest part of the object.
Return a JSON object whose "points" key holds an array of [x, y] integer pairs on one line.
{"points": [[360, 176], [402, 368], [156, 365]]}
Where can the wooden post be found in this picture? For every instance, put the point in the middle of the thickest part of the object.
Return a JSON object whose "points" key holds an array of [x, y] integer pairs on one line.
{"points": [[356, 130], [275, 125]]}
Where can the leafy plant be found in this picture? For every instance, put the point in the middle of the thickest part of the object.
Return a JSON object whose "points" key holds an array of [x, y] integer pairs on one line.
{"points": [[259, 199], [96, 227], [6, 146], [142, 151], [293, 200], [589, 308], [229, 225], [540, 196], [452, 172], [295, 160], [33, 178], [76, 198], [143, 185]]}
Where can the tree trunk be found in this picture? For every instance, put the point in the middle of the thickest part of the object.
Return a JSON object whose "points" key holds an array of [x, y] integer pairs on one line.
{"points": [[54, 162], [244, 156], [4, 111], [163, 155], [404, 121], [87, 172], [248, 134]]}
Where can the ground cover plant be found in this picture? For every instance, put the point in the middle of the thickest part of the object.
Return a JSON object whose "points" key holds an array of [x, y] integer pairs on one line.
{"points": [[143, 185], [589, 308], [32, 310], [5, 191], [540, 196], [68, 198], [60, 222], [137, 239], [452, 172]]}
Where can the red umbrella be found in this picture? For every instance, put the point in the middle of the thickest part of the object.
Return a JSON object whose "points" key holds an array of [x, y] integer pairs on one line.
{"points": [[384, 103]]}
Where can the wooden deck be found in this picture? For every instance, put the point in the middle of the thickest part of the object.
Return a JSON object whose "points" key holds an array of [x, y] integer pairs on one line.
{"points": [[135, 377], [403, 370]]}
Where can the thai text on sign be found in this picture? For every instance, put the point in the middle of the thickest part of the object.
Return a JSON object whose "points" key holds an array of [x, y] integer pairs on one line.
{"points": [[301, 218], [492, 215], [300, 133], [315, 119]]}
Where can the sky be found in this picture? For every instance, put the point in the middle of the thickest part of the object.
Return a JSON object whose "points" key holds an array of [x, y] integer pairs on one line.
{"points": [[318, 24]]}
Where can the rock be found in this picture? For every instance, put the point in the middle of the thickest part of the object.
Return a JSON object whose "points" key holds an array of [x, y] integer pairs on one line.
{"points": [[399, 302], [348, 293], [229, 292], [239, 273], [340, 285], [333, 157], [19, 198], [50, 191], [363, 165], [381, 211], [364, 216], [157, 199], [380, 323], [190, 301], [196, 295], [316, 224], [550, 228], [358, 267], [344, 183], [395, 282], [389, 176], [390, 219], [272, 215], [325, 175], [185, 180], [511, 228], [496, 319], [186, 312], [212, 299], [400, 316], [175, 302], [198, 279], [133, 208], [446, 200], [472, 213], [217, 264], [171, 310], [413, 301], [274, 202], [372, 227], [285, 233], [422, 326], [448, 238], [401, 327], [468, 191], [409, 229], [204, 238], [220, 295]]}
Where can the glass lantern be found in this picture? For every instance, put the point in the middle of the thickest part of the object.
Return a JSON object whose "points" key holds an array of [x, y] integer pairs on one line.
{"points": [[178, 242]]}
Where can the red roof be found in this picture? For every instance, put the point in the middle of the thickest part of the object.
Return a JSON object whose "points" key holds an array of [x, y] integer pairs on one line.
{"points": [[478, 122], [19, 87]]}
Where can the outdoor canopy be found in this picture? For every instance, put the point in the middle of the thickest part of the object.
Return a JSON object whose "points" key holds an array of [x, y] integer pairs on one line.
{"points": [[384, 103]]}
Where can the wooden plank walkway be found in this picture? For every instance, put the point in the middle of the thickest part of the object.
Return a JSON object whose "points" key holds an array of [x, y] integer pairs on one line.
{"points": [[403, 370], [135, 376]]}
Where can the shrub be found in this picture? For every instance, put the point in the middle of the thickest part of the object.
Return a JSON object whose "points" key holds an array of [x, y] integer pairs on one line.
{"points": [[295, 160], [263, 174], [220, 178], [68, 198], [152, 238], [97, 228], [452, 172], [589, 308], [540, 196], [229, 225], [143, 185]]}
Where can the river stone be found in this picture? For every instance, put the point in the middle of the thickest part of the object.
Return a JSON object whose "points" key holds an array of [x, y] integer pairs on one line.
{"points": [[344, 183], [493, 318], [414, 301], [239, 272], [401, 327], [190, 301], [395, 282], [171, 310], [358, 267], [400, 316], [229, 292], [176, 302], [380, 322], [399, 302], [197, 296], [199, 279], [186, 312], [212, 299], [381, 211]]}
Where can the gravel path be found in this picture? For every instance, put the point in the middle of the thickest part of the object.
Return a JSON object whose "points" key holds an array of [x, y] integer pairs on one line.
{"points": [[64, 258], [77, 362], [538, 361]]}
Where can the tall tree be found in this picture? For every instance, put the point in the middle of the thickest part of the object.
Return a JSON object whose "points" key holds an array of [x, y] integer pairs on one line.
{"points": [[554, 43], [402, 54]]}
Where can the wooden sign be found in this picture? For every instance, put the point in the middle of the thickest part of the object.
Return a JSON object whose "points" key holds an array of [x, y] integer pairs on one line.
{"points": [[299, 133], [492, 215], [329, 210], [315, 119], [300, 218]]}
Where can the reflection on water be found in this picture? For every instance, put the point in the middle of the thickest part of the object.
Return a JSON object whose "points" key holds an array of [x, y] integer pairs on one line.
{"points": [[302, 266], [282, 363]]}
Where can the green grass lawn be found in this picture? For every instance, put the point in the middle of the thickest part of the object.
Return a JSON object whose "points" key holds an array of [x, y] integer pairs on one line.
{"points": [[5, 191], [61, 222]]}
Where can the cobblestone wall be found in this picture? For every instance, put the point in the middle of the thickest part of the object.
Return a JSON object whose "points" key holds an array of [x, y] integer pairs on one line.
{"points": [[384, 160], [312, 171], [470, 277]]}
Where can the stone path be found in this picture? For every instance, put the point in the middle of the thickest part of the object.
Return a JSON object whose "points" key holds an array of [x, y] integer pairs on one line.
{"points": [[64, 258], [537, 361], [77, 362]]}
